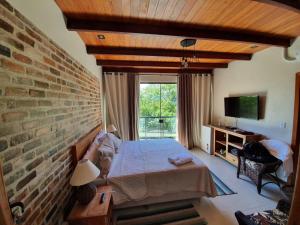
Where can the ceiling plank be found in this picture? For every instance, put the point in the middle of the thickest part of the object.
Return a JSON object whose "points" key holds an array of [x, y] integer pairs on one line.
{"points": [[288, 4], [155, 70], [94, 49], [175, 29], [101, 62]]}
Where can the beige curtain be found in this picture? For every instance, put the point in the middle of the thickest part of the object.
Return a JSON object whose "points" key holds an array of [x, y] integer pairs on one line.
{"points": [[122, 103], [185, 110], [116, 96], [133, 105], [201, 104], [194, 107]]}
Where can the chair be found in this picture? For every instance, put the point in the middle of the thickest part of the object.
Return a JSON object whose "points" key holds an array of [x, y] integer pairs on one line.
{"points": [[257, 170], [278, 216]]}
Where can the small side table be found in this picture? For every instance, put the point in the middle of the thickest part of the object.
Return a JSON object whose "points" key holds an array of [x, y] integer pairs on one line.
{"points": [[93, 213]]}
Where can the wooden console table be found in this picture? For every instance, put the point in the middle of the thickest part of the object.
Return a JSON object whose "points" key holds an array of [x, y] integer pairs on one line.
{"points": [[226, 139]]}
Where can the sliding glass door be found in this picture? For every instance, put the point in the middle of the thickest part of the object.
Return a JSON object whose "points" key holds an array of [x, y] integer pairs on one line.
{"points": [[158, 105]]}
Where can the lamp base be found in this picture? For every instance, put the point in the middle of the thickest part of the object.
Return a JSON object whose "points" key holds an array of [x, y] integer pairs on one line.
{"points": [[86, 193]]}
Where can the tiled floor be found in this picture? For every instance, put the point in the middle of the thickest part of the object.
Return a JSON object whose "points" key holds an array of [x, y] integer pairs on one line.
{"points": [[220, 210]]}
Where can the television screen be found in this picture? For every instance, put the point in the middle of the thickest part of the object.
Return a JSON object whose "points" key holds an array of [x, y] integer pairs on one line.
{"points": [[242, 107]]}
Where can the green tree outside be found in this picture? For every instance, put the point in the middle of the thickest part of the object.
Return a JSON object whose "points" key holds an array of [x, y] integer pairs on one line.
{"points": [[158, 100]]}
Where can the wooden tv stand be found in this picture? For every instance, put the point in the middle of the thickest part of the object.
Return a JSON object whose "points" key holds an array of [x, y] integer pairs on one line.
{"points": [[226, 139]]}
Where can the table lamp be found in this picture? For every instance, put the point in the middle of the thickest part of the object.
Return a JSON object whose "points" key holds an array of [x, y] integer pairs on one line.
{"points": [[111, 128], [84, 173]]}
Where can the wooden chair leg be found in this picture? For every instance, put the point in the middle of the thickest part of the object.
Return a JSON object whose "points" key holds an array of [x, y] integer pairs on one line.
{"points": [[259, 184]]}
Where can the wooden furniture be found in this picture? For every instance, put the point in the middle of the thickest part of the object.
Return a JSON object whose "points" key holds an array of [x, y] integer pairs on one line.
{"points": [[94, 213], [226, 139], [294, 213], [5, 213], [81, 146]]}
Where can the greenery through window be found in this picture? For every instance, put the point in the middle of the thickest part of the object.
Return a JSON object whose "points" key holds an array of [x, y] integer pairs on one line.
{"points": [[158, 105]]}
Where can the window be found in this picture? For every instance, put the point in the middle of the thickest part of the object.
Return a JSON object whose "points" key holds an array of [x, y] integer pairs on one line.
{"points": [[158, 106]]}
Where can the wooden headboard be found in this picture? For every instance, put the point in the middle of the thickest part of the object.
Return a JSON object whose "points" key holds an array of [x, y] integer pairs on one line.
{"points": [[82, 145]]}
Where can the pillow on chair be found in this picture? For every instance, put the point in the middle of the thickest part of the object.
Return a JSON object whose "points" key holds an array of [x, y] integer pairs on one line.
{"points": [[282, 151]]}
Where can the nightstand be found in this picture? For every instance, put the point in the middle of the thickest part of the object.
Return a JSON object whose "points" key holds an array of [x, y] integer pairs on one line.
{"points": [[93, 213]]}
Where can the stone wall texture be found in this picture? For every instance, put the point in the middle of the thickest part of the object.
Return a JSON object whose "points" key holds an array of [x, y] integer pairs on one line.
{"points": [[47, 102]]}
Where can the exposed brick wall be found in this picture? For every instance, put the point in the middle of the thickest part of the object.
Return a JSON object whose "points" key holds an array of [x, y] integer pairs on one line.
{"points": [[47, 101]]}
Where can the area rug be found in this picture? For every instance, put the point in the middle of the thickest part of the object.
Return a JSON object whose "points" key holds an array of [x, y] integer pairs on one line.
{"points": [[170, 213], [222, 188]]}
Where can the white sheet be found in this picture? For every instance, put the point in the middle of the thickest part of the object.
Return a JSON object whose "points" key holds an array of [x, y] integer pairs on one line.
{"points": [[142, 170]]}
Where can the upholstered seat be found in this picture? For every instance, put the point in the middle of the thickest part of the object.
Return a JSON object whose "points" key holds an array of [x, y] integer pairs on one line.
{"points": [[278, 216]]}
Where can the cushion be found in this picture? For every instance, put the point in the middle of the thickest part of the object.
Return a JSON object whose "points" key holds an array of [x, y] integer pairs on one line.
{"points": [[270, 217], [106, 154], [100, 137], [105, 163], [108, 143], [115, 140], [92, 153]]}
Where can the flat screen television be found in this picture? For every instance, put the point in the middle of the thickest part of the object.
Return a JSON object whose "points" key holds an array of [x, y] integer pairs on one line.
{"points": [[242, 107]]}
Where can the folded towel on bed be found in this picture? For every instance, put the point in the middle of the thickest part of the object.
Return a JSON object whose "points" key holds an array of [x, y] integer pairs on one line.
{"points": [[180, 159]]}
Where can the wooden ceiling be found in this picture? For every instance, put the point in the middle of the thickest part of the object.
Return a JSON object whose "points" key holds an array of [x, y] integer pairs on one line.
{"points": [[143, 30]]}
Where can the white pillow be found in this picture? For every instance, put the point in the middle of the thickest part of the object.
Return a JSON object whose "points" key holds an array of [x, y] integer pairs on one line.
{"points": [[116, 141], [100, 137], [282, 151], [108, 143]]}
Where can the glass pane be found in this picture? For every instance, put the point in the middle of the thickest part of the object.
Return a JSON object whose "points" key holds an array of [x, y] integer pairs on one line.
{"points": [[158, 104], [150, 100]]}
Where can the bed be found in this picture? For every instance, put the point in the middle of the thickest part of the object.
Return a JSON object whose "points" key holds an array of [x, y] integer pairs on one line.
{"points": [[140, 173]]}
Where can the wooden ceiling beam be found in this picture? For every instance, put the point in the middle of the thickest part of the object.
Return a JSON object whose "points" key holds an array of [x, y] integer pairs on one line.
{"points": [[155, 70], [288, 4], [101, 62], [104, 50], [177, 30]]}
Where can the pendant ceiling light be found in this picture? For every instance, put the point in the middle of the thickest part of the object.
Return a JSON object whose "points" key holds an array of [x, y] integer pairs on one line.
{"points": [[185, 43]]}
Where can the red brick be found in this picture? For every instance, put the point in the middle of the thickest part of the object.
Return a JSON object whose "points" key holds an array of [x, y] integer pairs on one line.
{"points": [[33, 34], [6, 26], [49, 61], [25, 39], [14, 67], [14, 91], [22, 58]]}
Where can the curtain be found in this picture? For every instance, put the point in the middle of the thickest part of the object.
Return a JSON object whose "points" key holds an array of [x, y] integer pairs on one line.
{"points": [[185, 110], [122, 103], [202, 104], [133, 105], [194, 107]]}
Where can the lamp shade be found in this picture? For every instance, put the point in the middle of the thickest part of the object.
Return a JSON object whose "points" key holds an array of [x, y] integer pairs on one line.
{"points": [[85, 172], [111, 128]]}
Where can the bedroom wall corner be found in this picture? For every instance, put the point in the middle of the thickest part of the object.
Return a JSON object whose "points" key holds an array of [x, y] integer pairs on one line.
{"points": [[267, 75], [48, 100]]}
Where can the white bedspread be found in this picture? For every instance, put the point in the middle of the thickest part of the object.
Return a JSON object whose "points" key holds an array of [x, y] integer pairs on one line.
{"points": [[142, 170]]}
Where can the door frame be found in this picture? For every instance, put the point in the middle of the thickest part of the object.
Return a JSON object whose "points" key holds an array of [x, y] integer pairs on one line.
{"points": [[294, 216], [296, 122], [5, 212]]}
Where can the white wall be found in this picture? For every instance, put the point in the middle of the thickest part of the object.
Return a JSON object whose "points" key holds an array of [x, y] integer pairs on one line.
{"points": [[267, 74], [47, 16]]}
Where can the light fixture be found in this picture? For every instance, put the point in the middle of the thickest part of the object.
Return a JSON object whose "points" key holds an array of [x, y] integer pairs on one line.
{"points": [[185, 43], [101, 36], [84, 173]]}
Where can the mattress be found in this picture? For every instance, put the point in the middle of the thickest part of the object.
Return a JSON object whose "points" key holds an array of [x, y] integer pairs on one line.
{"points": [[141, 171]]}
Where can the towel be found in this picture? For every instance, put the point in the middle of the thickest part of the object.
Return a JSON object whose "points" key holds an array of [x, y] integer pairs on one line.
{"points": [[180, 159], [281, 151]]}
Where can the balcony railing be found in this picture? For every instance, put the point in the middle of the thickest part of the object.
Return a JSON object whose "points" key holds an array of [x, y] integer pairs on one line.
{"points": [[157, 127]]}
